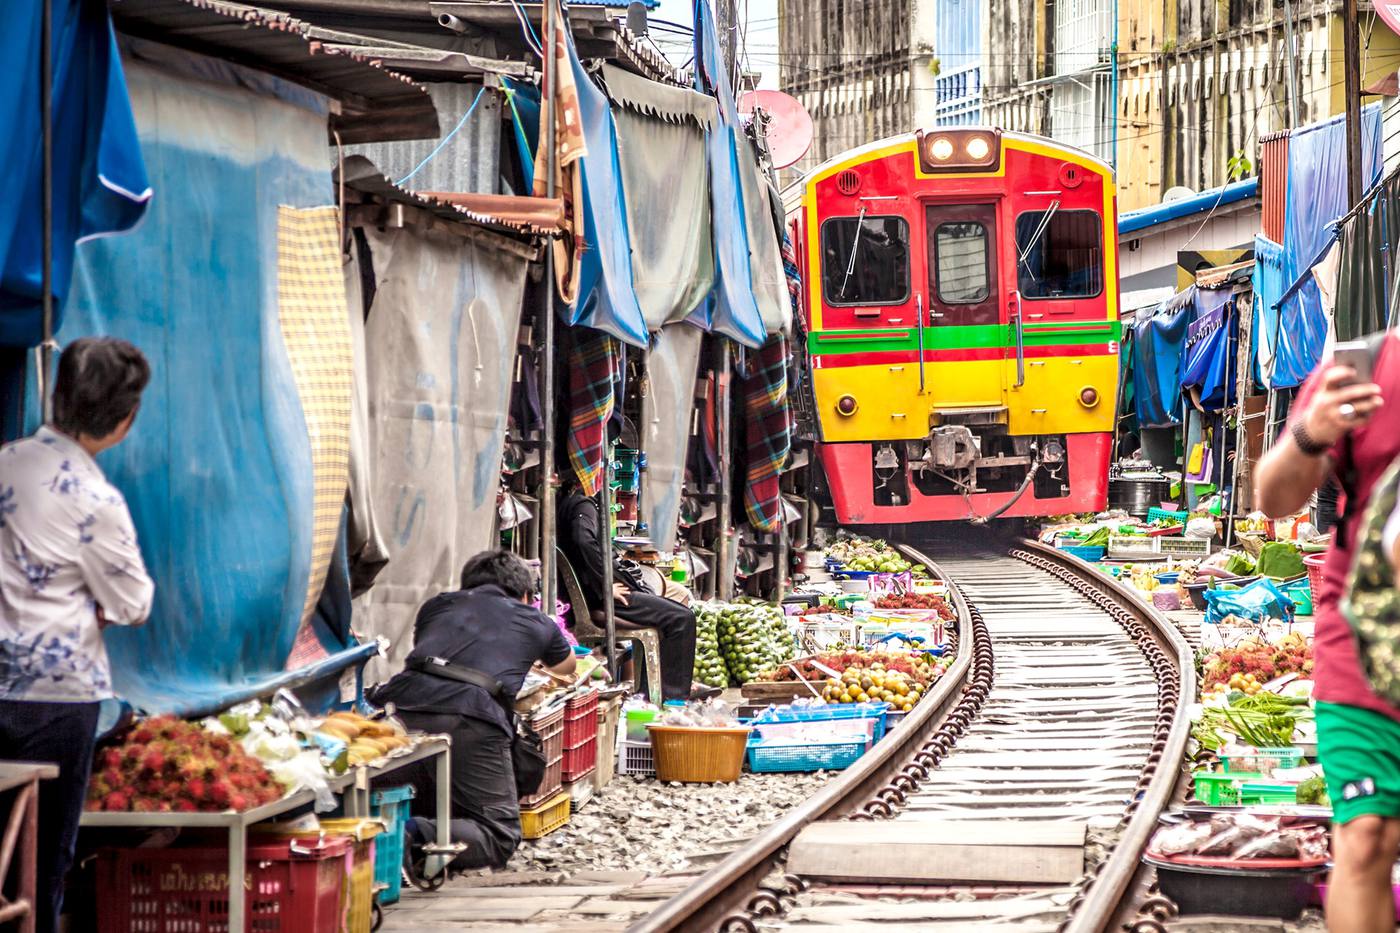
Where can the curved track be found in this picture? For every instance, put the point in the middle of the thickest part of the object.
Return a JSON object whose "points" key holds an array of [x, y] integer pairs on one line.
{"points": [[1019, 795]]}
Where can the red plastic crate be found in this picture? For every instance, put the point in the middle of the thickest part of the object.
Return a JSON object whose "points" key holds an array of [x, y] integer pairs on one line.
{"points": [[551, 732], [580, 759], [580, 719], [292, 886]]}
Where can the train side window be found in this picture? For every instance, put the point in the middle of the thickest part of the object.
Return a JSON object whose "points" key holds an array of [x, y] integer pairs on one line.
{"points": [[865, 260], [1059, 254], [960, 257]]}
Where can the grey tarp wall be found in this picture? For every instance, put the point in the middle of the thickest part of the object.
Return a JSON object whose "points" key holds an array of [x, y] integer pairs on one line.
{"points": [[661, 147], [666, 406], [367, 550], [440, 341], [765, 253]]}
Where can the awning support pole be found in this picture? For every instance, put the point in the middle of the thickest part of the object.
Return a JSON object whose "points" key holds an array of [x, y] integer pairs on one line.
{"points": [[548, 571], [46, 117], [724, 541]]}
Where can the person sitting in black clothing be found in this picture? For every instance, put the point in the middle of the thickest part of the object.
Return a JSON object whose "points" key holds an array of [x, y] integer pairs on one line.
{"points": [[579, 529], [489, 626]]}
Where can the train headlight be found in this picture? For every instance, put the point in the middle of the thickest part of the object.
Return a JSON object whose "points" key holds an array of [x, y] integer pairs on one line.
{"points": [[1088, 396], [959, 150], [846, 405]]}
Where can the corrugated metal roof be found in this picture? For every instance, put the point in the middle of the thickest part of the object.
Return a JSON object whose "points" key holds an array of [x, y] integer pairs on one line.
{"points": [[1141, 219], [519, 217], [375, 104], [1273, 171]]}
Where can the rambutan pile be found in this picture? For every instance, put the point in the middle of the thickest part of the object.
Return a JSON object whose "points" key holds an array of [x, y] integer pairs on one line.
{"points": [[1291, 654], [169, 765]]}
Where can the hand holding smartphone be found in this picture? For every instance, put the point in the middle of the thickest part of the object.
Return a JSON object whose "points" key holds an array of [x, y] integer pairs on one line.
{"points": [[1356, 355]]}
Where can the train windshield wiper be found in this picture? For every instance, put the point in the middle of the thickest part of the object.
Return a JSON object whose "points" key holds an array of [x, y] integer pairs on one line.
{"points": [[855, 246], [1035, 237]]}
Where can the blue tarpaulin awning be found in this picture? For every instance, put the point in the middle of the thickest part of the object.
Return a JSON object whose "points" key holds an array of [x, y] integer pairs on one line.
{"points": [[99, 178]]}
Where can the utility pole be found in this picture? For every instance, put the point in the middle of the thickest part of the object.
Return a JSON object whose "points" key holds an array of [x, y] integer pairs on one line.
{"points": [[1351, 45]]}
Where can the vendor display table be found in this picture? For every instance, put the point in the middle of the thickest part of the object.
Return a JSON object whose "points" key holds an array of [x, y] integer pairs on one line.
{"points": [[353, 786], [21, 835]]}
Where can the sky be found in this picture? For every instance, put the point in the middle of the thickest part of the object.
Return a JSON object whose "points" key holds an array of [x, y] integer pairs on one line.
{"points": [[758, 35]]}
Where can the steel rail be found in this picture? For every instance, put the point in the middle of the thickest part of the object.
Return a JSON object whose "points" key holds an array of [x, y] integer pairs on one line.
{"points": [[733, 883], [1098, 907]]}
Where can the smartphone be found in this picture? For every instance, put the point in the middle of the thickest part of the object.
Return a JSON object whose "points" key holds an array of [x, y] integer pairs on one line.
{"points": [[1357, 355]]}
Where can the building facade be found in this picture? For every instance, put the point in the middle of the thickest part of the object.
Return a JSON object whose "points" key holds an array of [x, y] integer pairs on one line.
{"points": [[1173, 93]]}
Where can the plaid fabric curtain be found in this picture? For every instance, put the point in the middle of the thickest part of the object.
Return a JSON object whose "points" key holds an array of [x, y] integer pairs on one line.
{"points": [[791, 273], [595, 364], [766, 406]]}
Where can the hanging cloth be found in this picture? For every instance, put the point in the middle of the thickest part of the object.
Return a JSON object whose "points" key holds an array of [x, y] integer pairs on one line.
{"points": [[767, 437], [594, 367], [1365, 297]]}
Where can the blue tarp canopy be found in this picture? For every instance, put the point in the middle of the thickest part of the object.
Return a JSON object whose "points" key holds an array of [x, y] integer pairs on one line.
{"points": [[731, 309], [1317, 196], [217, 470], [1207, 361], [607, 299], [1157, 347], [99, 181]]}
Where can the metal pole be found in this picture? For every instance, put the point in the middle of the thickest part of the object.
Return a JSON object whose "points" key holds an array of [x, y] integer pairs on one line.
{"points": [[46, 118], [1352, 63], [548, 573], [724, 581], [605, 540]]}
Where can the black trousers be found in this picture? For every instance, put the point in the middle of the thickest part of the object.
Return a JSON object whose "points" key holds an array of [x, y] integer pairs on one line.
{"points": [[62, 734], [485, 808], [675, 624]]}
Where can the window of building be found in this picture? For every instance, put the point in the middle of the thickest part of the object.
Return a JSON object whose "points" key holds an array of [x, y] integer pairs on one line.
{"points": [[1059, 254], [960, 261], [865, 261]]}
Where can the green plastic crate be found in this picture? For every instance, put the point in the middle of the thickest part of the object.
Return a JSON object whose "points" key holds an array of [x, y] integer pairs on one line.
{"points": [[1266, 792], [1219, 789]]}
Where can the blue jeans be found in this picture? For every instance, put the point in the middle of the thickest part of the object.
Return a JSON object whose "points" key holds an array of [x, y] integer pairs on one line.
{"points": [[62, 734]]}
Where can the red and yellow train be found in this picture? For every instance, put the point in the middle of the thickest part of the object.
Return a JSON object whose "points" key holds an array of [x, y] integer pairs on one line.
{"points": [[962, 327]]}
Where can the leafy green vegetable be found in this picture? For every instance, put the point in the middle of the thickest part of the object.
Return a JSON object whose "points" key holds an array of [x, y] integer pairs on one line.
{"points": [[1314, 790], [1280, 559]]}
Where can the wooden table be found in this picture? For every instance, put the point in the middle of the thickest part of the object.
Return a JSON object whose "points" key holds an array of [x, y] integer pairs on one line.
{"points": [[22, 835], [353, 786]]}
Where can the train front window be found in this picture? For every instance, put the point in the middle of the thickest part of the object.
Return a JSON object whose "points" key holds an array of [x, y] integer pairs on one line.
{"points": [[960, 258], [1059, 254], [865, 260]]}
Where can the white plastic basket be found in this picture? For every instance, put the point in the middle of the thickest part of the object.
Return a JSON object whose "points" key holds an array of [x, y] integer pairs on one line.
{"points": [[635, 758]]}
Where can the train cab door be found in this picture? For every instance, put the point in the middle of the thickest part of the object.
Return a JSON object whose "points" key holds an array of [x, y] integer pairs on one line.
{"points": [[962, 308]]}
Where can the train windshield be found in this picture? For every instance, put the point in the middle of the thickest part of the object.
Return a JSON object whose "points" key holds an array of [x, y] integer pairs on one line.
{"points": [[960, 256], [865, 260], [1060, 254]]}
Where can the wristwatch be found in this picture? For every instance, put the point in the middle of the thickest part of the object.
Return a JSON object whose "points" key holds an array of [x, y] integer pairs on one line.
{"points": [[1305, 441]]}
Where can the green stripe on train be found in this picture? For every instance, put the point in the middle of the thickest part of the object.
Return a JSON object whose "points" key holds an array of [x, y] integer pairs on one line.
{"points": [[961, 337]]}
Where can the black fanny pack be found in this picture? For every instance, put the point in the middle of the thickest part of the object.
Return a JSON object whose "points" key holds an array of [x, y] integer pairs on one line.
{"points": [[526, 747]]}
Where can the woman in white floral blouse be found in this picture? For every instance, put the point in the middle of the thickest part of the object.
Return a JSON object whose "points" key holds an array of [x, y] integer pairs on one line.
{"points": [[69, 567]]}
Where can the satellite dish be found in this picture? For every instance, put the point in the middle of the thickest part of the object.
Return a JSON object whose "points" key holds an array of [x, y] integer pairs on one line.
{"points": [[1179, 193], [789, 124]]}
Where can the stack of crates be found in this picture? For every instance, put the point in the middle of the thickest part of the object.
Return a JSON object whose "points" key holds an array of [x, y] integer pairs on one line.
{"points": [[550, 728], [580, 746], [607, 743], [390, 806]]}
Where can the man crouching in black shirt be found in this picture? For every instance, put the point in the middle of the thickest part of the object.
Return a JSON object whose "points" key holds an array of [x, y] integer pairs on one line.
{"points": [[488, 626]]}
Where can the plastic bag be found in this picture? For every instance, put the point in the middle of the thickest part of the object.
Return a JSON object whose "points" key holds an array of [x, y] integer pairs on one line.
{"points": [[1201, 528], [304, 772], [1256, 602]]}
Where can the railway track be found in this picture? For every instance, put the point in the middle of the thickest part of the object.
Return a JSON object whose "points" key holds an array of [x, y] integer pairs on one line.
{"points": [[1017, 796]]}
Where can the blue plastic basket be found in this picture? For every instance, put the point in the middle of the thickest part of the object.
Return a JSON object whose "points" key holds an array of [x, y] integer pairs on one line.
{"points": [[832, 711], [1155, 514], [1085, 552], [391, 806], [835, 755]]}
